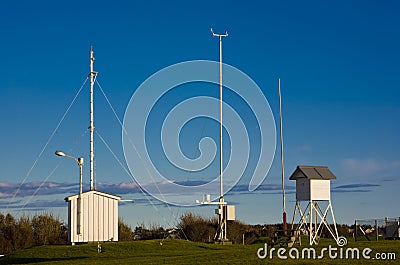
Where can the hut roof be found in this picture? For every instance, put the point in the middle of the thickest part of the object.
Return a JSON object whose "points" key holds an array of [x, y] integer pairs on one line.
{"points": [[108, 195], [312, 172]]}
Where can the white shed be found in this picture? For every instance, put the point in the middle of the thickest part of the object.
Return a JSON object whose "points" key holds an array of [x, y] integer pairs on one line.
{"points": [[93, 217], [312, 183], [313, 187]]}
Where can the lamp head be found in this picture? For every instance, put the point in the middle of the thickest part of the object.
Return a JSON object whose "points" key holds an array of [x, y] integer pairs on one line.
{"points": [[60, 153]]}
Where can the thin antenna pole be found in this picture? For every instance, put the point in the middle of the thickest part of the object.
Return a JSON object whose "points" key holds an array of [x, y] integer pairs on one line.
{"points": [[222, 217], [221, 165], [91, 127], [282, 157], [220, 36]]}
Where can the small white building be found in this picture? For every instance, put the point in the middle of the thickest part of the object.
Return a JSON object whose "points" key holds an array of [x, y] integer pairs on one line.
{"points": [[312, 183], [313, 188], [93, 217]]}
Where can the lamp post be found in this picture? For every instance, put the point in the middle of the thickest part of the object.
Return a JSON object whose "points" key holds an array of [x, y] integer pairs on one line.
{"points": [[80, 164]]}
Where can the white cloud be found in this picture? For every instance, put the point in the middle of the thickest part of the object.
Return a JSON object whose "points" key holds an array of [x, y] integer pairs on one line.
{"points": [[370, 167]]}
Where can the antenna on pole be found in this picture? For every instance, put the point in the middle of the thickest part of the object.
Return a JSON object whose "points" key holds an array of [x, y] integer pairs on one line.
{"points": [[220, 36], [282, 158], [222, 205], [92, 76], [225, 212]]}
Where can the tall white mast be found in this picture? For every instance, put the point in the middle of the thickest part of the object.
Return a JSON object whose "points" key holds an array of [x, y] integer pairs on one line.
{"points": [[282, 157], [222, 217], [92, 75]]}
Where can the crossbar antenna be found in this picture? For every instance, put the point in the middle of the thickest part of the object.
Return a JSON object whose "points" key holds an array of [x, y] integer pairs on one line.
{"points": [[225, 212], [222, 205]]}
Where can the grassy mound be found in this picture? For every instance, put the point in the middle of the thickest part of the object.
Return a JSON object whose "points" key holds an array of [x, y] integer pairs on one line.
{"points": [[178, 252]]}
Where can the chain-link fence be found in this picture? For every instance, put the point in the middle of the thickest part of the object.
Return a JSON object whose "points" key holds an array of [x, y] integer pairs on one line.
{"points": [[376, 229]]}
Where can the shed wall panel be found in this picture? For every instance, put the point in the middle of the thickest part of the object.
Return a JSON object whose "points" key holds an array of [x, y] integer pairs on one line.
{"points": [[101, 218], [302, 189], [106, 214], [115, 220], [320, 189], [85, 219], [90, 223], [110, 220], [95, 217], [69, 221], [74, 214]]}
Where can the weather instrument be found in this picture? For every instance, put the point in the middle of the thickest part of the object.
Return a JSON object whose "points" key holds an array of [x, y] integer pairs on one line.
{"points": [[225, 212]]}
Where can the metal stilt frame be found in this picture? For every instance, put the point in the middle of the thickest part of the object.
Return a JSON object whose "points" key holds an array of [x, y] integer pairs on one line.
{"points": [[313, 219]]}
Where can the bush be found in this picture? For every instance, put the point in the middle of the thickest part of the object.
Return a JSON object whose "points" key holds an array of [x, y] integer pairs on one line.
{"points": [[24, 238], [153, 232], [25, 232], [124, 231], [7, 231], [197, 228], [236, 230], [48, 230]]}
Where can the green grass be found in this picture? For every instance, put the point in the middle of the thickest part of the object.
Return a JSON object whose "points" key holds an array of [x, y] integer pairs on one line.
{"points": [[179, 252]]}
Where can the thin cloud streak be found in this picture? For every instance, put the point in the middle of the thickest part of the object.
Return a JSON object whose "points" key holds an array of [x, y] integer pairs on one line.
{"points": [[7, 191], [358, 185], [370, 168]]}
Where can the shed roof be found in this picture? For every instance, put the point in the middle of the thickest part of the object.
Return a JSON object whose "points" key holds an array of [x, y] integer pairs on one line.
{"points": [[312, 172], [108, 195]]}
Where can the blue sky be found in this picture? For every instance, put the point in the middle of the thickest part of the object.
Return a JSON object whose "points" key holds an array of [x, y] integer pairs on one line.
{"points": [[338, 62]]}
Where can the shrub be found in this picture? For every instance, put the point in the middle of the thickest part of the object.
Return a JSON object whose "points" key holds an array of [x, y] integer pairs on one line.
{"points": [[27, 232], [197, 228], [48, 230], [124, 231]]}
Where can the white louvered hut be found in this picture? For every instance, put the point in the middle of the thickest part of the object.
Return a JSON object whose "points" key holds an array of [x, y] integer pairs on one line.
{"points": [[312, 183], [93, 217], [313, 189]]}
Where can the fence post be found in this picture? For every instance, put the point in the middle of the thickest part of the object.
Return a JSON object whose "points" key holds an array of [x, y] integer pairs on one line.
{"points": [[355, 230], [377, 229], [398, 227]]}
